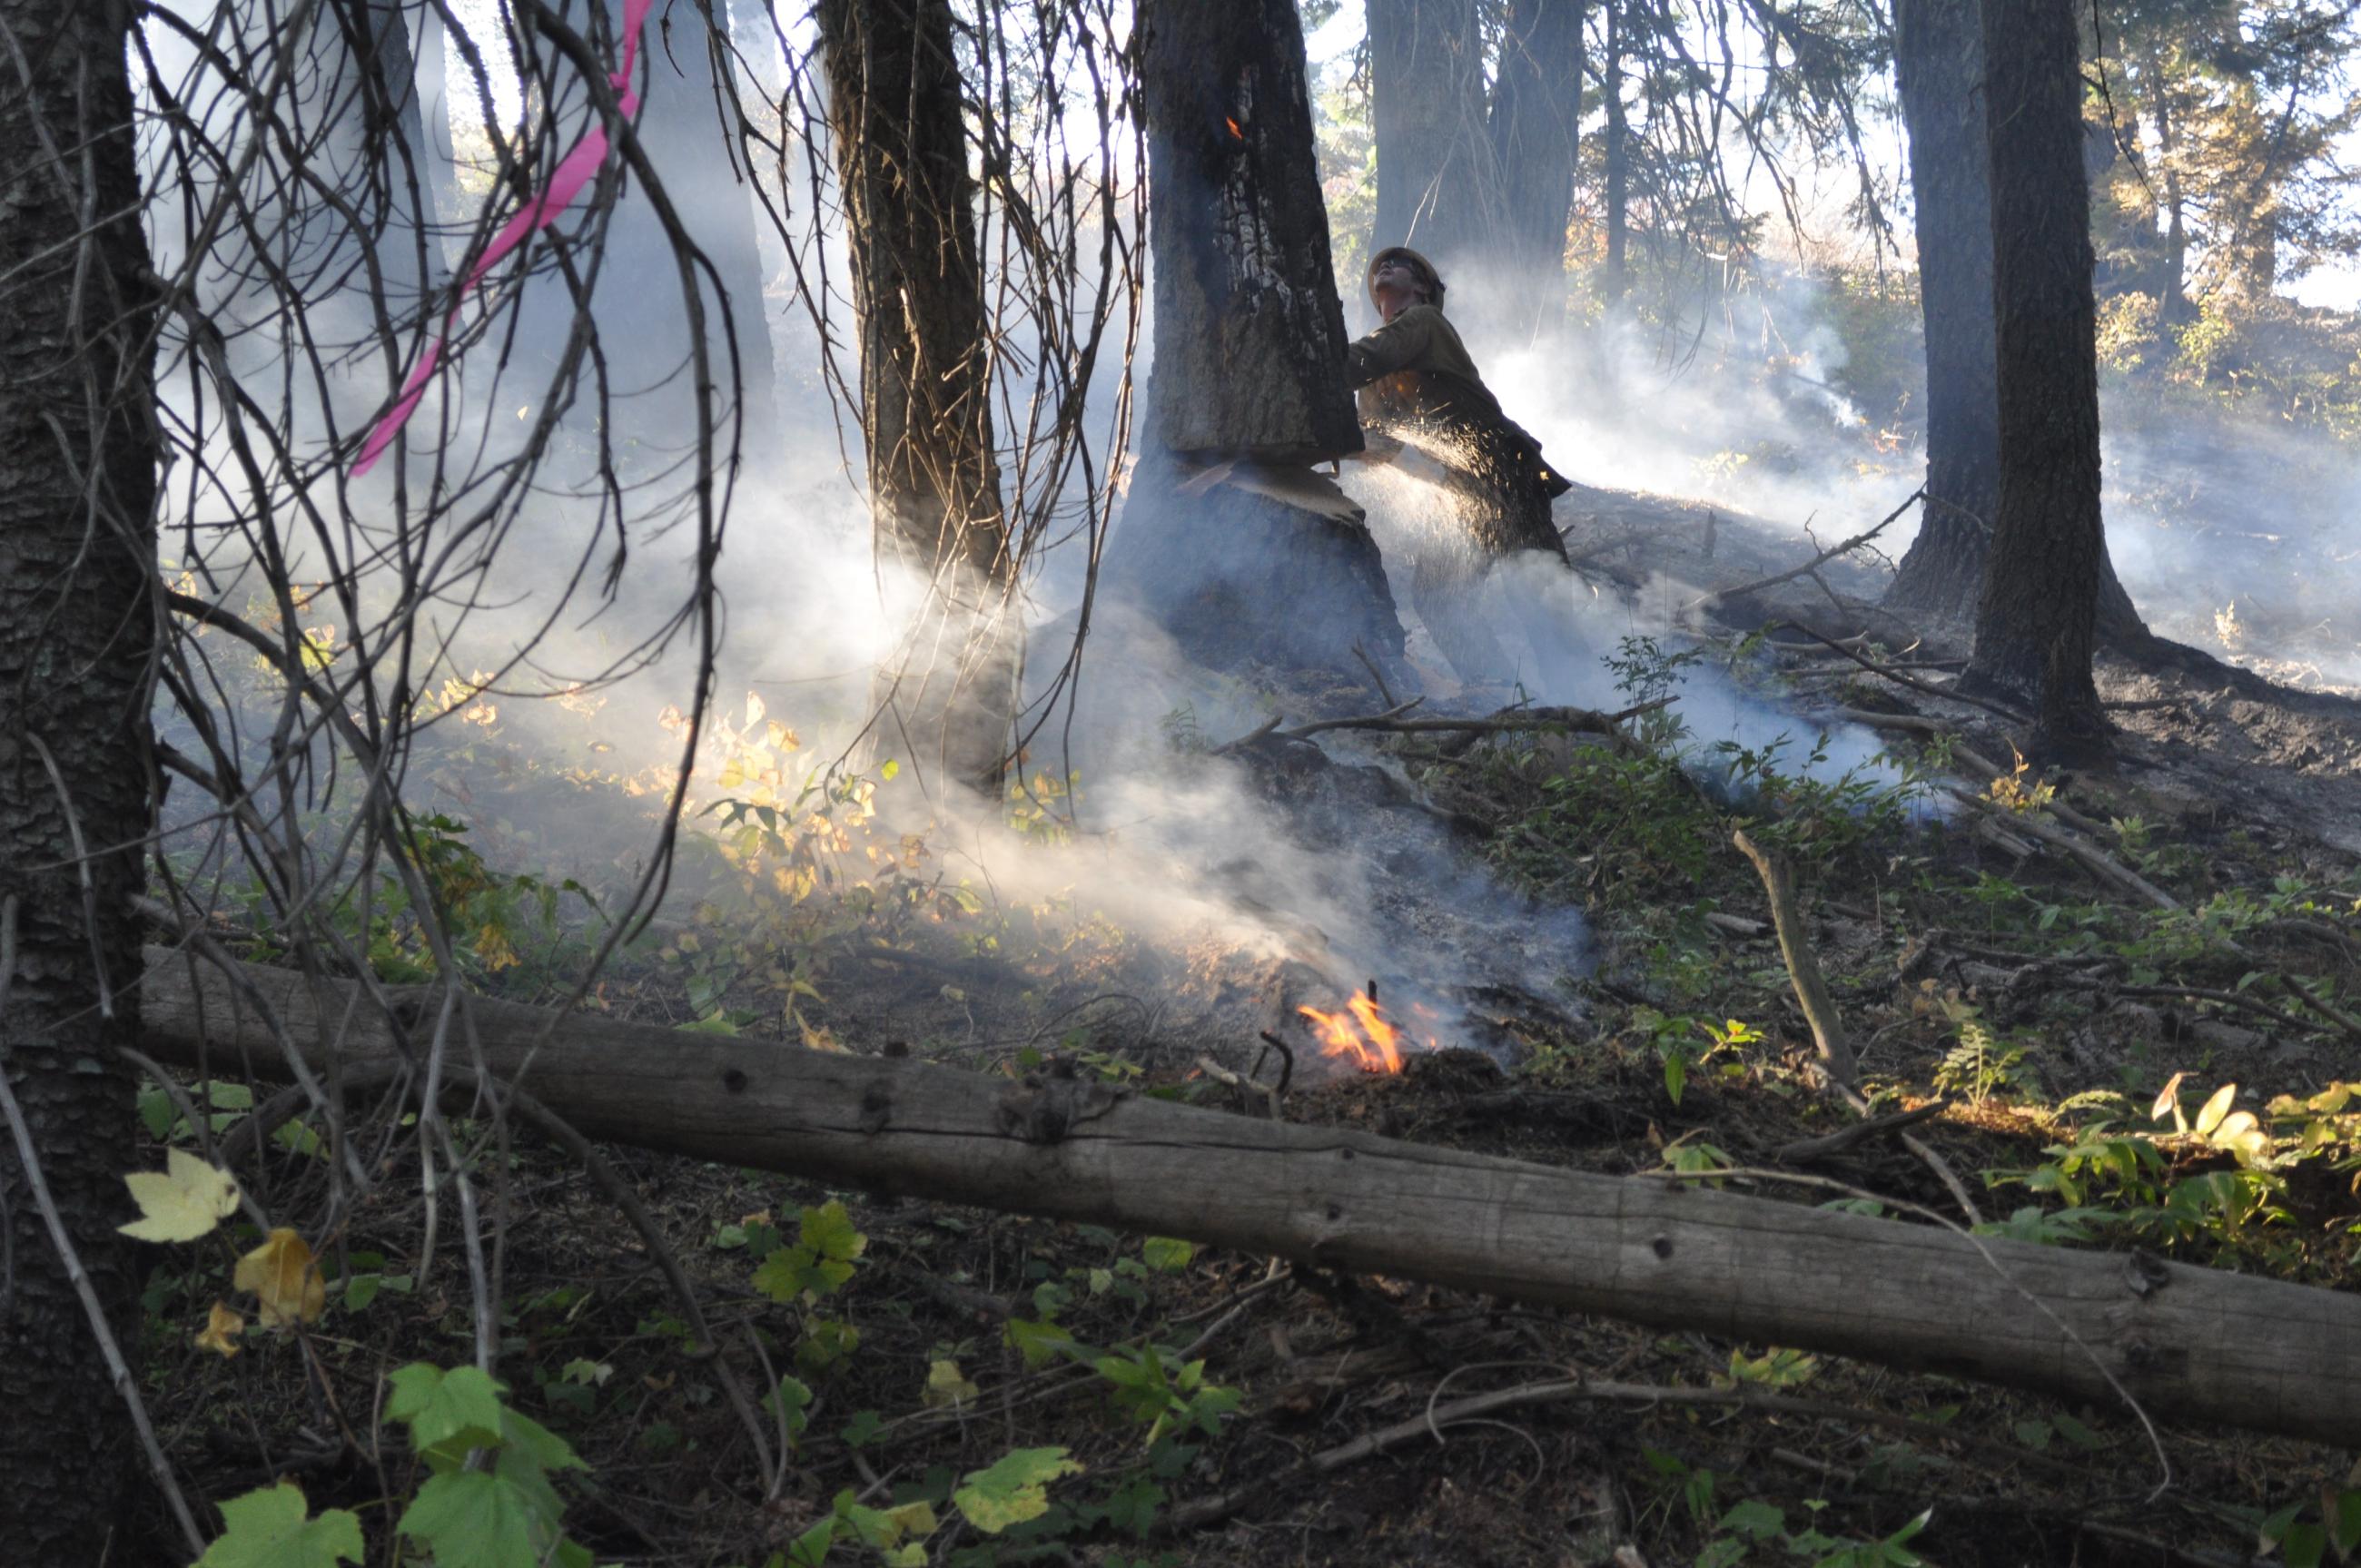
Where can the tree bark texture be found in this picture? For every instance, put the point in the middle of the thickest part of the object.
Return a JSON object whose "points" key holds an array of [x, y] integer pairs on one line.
{"points": [[1536, 123], [1939, 62], [1228, 540], [77, 548], [2036, 623], [900, 146], [1436, 186], [2200, 1344], [1249, 330]]}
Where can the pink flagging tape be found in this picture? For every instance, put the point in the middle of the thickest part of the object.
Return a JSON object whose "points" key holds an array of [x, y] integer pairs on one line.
{"points": [[579, 168]]}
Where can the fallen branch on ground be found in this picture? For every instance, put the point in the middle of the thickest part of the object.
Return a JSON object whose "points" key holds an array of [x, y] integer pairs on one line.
{"points": [[1889, 673], [1809, 568], [2203, 1343], [1820, 1011], [1577, 720], [1432, 1422]]}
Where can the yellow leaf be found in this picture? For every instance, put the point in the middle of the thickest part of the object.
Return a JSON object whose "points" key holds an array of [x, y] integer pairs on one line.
{"points": [[947, 1385], [221, 1331], [2216, 1109], [284, 1280], [184, 1201]]}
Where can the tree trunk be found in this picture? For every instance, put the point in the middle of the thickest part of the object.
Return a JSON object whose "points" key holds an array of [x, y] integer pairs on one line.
{"points": [[1249, 333], [77, 549], [643, 320], [1228, 539], [1426, 91], [894, 118], [392, 97], [1536, 124], [439, 157], [1617, 279], [1939, 65], [2204, 1344], [2036, 623], [2175, 307]]}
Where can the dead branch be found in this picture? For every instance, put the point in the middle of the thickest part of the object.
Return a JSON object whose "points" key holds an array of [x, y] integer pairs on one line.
{"points": [[1432, 1422], [1843, 1139], [1820, 1011], [1889, 673], [1809, 568]]}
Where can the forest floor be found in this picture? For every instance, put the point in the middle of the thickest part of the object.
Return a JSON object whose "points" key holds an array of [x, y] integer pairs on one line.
{"points": [[2130, 991]]}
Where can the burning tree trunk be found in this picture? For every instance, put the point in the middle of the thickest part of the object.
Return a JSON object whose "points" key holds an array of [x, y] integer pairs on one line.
{"points": [[1228, 537], [77, 547], [1536, 122], [2202, 1344], [2037, 624], [894, 116]]}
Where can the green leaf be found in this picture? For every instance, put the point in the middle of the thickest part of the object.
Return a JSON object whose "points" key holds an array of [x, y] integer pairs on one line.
{"points": [[473, 1518], [791, 1402], [862, 1429], [2216, 1109], [2344, 1524], [1039, 1344], [1013, 1490], [442, 1406], [2306, 1545], [828, 1231], [268, 1528], [1166, 1255], [1758, 1520]]}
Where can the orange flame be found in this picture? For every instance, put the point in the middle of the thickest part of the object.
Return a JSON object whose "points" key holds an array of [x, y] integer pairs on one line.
{"points": [[1234, 131], [1375, 1045]]}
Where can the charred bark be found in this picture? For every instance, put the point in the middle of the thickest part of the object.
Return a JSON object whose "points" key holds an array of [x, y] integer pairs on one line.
{"points": [[1426, 90], [1228, 539], [2205, 1345], [1250, 332], [1938, 63], [896, 119], [1536, 123], [2037, 624], [77, 547]]}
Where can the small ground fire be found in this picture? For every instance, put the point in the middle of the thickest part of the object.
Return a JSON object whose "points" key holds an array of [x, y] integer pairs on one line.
{"points": [[1361, 1032]]}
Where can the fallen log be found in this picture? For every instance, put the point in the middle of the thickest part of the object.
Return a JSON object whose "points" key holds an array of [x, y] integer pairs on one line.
{"points": [[2194, 1342]]}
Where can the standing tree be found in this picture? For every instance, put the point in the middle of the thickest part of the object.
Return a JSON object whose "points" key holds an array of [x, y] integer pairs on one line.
{"points": [[1536, 123], [2037, 620], [894, 118], [1940, 67], [77, 550], [1435, 184], [1228, 537]]}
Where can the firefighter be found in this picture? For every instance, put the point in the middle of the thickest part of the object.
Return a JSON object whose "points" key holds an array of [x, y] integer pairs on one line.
{"points": [[1419, 389]]}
